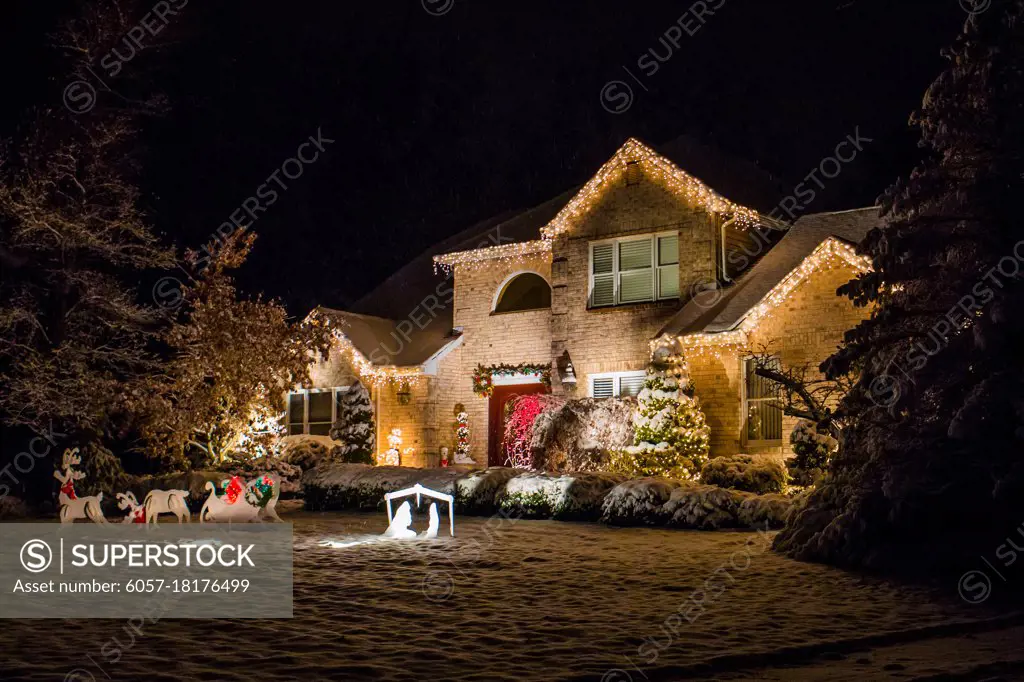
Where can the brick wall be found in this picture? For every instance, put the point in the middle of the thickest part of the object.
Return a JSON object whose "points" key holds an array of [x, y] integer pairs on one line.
{"points": [[803, 331], [489, 339], [618, 338]]}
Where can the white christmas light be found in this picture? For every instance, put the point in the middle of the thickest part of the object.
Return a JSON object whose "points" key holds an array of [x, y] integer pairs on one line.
{"points": [[476, 259]]}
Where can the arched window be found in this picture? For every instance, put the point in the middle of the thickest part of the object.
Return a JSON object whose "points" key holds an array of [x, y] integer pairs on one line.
{"points": [[525, 291]]}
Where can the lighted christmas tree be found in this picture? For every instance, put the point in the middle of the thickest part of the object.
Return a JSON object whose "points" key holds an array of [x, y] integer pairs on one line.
{"points": [[671, 434], [354, 427]]}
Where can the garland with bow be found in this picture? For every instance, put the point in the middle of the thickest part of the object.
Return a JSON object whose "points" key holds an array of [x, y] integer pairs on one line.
{"points": [[483, 377]]}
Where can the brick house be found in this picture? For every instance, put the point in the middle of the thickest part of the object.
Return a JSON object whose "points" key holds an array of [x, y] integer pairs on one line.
{"points": [[583, 288]]}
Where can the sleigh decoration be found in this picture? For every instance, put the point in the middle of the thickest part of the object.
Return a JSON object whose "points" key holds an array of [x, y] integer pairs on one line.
{"points": [[242, 503], [71, 505]]}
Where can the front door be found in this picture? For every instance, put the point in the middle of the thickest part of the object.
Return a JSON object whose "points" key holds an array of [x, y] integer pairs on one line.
{"points": [[496, 417]]}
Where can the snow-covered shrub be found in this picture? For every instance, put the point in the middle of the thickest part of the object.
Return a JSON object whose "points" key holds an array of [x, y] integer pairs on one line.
{"points": [[476, 491], [671, 435], [246, 467], [754, 473], [705, 507], [354, 427], [334, 486], [306, 452], [577, 435], [566, 497], [761, 511], [639, 502], [813, 451]]}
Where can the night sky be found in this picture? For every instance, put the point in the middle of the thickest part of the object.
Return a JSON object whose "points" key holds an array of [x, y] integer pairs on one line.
{"points": [[440, 121]]}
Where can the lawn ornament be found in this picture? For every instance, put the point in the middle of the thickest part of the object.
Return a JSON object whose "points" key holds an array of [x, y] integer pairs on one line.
{"points": [[431, 531], [159, 502], [242, 503], [136, 512], [71, 505], [418, 490], [399, 526]]}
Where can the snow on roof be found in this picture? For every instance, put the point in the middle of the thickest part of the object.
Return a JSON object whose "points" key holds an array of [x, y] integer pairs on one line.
{"points": [[805, 236]]}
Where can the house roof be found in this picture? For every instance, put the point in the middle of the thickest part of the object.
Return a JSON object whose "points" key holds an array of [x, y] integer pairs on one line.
{"points": [[806, 235], [384, 343], [374, 320]]}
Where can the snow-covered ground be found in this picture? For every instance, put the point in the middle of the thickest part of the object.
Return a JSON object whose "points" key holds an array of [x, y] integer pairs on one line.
{"points": [[546, 600]]}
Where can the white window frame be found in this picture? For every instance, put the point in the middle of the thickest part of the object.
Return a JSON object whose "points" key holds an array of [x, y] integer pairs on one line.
{"points": [[616, 378], [746, 407], [334, 390], [617, 274]]}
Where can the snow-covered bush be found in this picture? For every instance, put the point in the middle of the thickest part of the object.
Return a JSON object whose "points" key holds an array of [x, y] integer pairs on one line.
{"points": [[754, 473], [577, 435], [705, 507], [290, 475], [761, 511], [639, 502], [813, 451], [476, 491], [306, 452], [671, 434], [334, 486], [566, 497], [354, 427]]}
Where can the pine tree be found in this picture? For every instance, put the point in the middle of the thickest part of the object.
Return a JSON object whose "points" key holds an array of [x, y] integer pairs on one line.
{"points": [[354, 427], [671, 434], [931, 453]]}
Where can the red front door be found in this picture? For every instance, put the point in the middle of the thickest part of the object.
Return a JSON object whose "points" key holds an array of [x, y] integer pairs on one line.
{"points": [[496, 418]]}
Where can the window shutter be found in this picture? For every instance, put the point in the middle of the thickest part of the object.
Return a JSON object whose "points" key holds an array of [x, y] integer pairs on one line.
{"points": [[604, 275], [634, 255], [631, 385], [668, 282], [604, 387], [668, 250], [636, 286]]}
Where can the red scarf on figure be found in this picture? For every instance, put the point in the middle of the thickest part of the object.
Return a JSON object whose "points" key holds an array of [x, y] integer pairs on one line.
{"points": [[69, 489]]}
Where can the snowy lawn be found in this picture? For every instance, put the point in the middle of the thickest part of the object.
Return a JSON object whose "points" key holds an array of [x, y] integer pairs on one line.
{"points": [[541, 600]]}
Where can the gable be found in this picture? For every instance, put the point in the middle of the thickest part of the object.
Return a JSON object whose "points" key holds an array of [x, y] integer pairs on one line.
{"points": [[618, 172]]}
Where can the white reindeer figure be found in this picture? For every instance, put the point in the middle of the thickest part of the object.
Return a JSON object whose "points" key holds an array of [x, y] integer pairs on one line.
{"points": [[71, 505], [167, 502], [136, 512]]}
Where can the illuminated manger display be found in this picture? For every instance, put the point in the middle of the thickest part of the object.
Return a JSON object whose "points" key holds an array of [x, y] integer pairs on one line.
{"points": [[396, 530]]}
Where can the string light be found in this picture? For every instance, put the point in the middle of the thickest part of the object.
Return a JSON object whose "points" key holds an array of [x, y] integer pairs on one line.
{"points": [[481, 258], [658, 169], [376, 375], [830, 253]]}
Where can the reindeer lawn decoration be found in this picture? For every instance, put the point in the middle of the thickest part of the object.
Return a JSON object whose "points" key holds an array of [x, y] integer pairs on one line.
{"points": [[136, 512], [71, 505], [157, 502], [240, 503]]}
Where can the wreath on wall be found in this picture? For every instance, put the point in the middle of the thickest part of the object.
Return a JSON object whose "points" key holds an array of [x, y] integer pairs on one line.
{"points": [[483, 377]]}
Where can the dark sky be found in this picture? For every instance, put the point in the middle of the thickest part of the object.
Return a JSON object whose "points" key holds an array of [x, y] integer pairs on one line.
{"points": [[441, 121]]}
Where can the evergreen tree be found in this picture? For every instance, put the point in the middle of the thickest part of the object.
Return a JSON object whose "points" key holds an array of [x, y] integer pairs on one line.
{"points": [[671, 435], [354, 427], [931, 455]]}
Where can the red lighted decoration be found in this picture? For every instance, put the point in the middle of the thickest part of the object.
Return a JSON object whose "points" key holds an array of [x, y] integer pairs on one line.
{"points": [[519, 430]]}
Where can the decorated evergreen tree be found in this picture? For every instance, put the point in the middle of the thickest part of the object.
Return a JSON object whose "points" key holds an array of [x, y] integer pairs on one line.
{"points": [[354, 427], [931, 456], [671, 435]]}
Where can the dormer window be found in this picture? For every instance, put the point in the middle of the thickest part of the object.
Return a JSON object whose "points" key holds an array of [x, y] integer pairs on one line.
{"points": [[634, 270]]}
